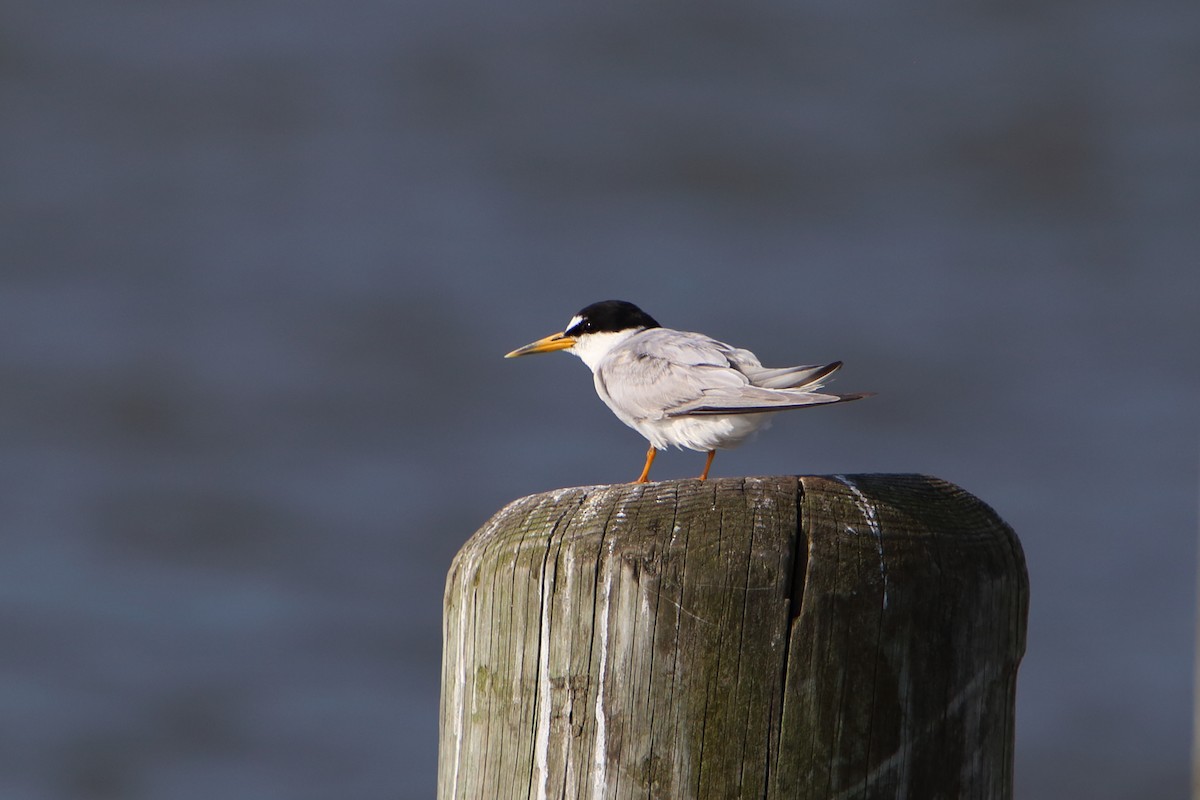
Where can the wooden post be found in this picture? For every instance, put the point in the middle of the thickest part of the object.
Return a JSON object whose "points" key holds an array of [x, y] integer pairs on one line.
{"points": [[817, 637]]}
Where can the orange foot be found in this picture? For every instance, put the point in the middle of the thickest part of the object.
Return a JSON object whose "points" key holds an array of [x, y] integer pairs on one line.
{"points": [[645, 476]]}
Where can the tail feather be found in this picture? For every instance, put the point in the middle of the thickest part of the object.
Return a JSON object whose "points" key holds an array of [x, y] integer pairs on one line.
{"points": [[756, 403], [809, 377]]}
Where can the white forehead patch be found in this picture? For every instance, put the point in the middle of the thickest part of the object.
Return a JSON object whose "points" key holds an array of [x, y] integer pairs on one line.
{"points": [[575, 320]]}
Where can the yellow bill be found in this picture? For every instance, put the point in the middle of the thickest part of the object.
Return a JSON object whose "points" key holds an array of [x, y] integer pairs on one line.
{"points": [[557, 341]]}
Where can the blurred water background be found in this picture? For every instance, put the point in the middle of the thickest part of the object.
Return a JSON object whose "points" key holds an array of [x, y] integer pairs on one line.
{"points": [[261, 260]]}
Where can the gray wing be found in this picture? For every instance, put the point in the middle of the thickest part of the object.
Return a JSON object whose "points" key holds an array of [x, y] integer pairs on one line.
{"points": [[660, 370], [667, 373]]}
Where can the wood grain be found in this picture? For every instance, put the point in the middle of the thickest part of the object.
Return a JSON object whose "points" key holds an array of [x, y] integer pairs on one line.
{"points": [[818, 637]]}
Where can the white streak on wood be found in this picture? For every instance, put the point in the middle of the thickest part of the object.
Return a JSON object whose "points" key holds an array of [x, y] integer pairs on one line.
{"points": [[542, 740], [456, 691], [457, 703], [563, 759], [468, 568], [600, 748], [868, 512]]}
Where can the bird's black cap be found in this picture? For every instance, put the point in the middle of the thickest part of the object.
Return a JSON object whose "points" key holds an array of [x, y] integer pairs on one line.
{"points": [[610, 316]]}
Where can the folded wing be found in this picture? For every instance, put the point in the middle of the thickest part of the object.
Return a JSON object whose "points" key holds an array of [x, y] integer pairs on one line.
{"points": [[664, 373]]}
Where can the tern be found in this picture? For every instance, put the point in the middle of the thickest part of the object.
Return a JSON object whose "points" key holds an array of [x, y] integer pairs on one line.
{"points": [[678, 388]]}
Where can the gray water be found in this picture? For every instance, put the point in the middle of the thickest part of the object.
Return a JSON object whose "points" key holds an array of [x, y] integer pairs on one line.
{"points": [[261, 260]]}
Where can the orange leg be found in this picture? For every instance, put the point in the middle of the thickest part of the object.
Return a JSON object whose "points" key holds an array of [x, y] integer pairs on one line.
{"points": [[645, 476], [707, 465]]}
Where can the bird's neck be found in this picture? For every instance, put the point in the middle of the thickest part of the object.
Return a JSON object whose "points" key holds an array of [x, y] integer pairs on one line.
{"points": [[593, 347]]}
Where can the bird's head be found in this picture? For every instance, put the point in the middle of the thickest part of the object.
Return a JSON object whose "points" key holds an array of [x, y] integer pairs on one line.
{"points": [[593, 331]]}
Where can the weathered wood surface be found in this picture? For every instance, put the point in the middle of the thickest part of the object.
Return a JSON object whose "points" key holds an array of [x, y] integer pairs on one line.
{"points": [[815, 637]]}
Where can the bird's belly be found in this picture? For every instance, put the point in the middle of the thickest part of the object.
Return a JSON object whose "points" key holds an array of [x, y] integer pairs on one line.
{"points": [[702, 433]]}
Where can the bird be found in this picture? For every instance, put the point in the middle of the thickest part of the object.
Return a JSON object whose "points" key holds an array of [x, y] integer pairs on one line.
{"points": [[679, 388]]}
